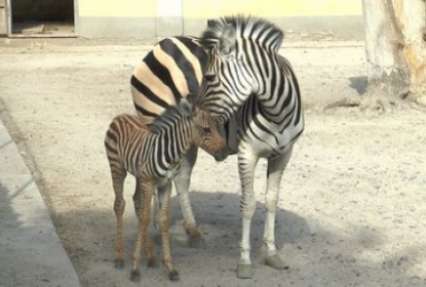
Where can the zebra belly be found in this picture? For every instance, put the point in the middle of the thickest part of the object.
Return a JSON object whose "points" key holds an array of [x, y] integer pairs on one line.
{"points": [[264, 145], [271, 142]]}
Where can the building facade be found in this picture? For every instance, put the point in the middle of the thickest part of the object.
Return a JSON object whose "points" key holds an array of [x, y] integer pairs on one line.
{"points": [[158, 18]]}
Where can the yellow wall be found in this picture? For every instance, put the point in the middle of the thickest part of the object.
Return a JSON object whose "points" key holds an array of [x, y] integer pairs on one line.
{"points": [[215, 8], [270, 8], [114, 8]]}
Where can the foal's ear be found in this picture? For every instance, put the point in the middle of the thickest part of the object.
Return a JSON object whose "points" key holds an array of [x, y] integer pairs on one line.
{"points": [[192, 98], [228, 40], [185, 107]]}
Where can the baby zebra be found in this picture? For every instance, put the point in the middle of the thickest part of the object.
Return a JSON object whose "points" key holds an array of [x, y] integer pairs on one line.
{"points": [[152, 152]]}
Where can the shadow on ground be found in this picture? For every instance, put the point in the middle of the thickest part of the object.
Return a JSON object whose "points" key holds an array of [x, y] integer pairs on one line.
{"points": [[9, 224], [359, 84], [317, 256]]}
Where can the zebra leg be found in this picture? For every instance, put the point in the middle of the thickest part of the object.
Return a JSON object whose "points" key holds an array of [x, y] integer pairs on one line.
{"points": [[119, 204], [137, 199], [147, 188], [247, 160], [275, 171], [164, 200], [149, 246], [138, 202], [182, 181]]}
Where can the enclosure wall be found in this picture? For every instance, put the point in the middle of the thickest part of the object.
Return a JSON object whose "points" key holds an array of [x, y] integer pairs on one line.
{"points": [[150, 18]]}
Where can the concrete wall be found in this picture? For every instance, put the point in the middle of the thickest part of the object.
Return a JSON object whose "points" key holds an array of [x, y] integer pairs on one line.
{"points": [[150, 18]]}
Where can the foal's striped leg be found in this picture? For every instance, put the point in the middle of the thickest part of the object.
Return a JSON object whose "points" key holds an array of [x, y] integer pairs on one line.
{"points": [[164, 193], [147, 189], [118, 177]]}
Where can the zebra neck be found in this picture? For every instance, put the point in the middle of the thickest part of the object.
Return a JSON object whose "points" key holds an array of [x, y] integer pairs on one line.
{"points": [[174, 141], [280, 103]]}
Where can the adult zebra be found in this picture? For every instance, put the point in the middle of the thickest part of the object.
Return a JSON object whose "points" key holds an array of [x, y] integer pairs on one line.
{"points": [[246, 65], [173, 70], [254, 91]]}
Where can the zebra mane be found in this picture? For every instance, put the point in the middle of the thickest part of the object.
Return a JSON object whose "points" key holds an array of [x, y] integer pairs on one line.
{"points": [[170, 117], [225, 31]]}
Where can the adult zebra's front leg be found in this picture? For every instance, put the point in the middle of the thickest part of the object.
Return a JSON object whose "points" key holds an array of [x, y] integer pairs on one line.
{"points": [[247, 160], [182, 181], [276, 166]]}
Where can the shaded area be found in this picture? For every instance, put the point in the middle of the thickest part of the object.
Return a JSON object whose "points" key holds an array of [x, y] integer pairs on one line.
{"points": [[8, 219], [306, 245], [359, 84], [31, 253]]}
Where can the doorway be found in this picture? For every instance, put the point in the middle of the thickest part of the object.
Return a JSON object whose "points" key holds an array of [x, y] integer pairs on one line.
{"points": [[48, 18]]}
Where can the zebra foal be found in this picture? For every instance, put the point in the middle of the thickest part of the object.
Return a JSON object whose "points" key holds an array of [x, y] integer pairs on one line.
{"points": [[152, 153]]}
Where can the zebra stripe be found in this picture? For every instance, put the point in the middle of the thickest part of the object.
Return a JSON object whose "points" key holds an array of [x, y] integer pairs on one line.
{"points": [[251, 83], [172, 70], [152, 149], [256, 93]]}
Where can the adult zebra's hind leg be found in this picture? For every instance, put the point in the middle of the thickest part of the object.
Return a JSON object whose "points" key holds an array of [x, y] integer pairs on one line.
{"points": [[247, 160], [182, 181], [276, 166]]}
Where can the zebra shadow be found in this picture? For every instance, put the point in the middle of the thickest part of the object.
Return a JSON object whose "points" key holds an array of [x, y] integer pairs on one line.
{"points": [[218, 215], [317, 254]]}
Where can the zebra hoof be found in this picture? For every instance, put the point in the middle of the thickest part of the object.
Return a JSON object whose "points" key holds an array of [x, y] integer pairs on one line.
{"points": [[135, 276], [174, 275], [119, 264], [244, 271], [276, 262], [152, 262], [197, 242]]}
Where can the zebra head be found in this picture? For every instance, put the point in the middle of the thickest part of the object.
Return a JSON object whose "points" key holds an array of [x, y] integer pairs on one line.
{"points": [[243, 51]]}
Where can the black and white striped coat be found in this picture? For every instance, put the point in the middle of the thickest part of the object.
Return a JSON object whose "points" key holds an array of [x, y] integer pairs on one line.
{"points": [[254, 91], [172, 70], [152, 152]]}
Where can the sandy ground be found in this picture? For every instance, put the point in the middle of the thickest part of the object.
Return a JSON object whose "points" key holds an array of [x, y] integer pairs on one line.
{"points": [[352, 210]]}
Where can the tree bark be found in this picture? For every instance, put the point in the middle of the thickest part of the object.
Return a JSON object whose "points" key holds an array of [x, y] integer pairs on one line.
{"points": [[395, 46], [388, 73], [412, 18]]}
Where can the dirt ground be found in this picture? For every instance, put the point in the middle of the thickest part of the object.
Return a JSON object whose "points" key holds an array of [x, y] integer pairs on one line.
{"points": [[352, 211]]}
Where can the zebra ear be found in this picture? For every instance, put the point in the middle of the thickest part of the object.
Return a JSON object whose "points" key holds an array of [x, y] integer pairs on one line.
{"points": [[227, 40], [185, 107], [213, 24], [219, 36]]}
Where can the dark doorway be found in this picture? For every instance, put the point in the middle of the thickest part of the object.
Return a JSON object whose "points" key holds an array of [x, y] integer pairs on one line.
{"points": [[42, 17]]}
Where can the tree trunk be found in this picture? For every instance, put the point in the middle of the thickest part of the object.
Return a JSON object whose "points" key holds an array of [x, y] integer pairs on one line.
{"points": [[412, 18], [395, 51], [395, 45]]}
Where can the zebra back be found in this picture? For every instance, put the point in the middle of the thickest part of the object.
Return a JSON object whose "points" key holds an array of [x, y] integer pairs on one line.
{"points": [[124, 143], [172, 70]]}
